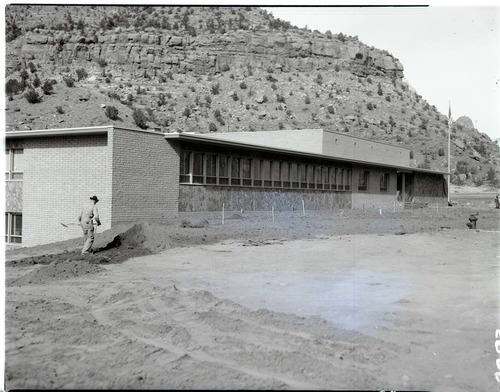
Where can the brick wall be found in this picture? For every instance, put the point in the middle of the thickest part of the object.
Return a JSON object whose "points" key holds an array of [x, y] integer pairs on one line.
{"points": [[61, 173], [194, 198], [145, 176]]}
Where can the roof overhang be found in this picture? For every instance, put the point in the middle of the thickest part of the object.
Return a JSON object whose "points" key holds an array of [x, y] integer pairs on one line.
{"points": [[197, 138], [58, 132]]}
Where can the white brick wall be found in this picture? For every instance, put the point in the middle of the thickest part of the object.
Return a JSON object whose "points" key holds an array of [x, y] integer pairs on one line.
{"points": [[61, 173]]}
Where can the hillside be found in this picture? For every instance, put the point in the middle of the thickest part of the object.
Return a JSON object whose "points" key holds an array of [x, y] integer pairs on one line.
{"points": [[220, 69]]}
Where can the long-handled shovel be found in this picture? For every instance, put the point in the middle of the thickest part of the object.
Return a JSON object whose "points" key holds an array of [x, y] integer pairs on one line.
{"points": [[69, 224]]}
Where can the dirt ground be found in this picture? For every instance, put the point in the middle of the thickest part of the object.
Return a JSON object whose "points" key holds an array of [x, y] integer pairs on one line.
{"points": [[331, 300]]}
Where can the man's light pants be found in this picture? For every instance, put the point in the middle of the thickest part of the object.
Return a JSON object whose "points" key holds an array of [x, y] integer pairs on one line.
{"points": [[88, 233]]}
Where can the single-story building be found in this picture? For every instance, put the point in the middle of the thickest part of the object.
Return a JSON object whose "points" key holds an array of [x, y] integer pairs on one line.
{"points": [[144, 175]]}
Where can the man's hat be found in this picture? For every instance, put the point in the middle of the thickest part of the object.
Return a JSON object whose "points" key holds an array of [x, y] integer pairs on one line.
{"points": [[94, 198]]}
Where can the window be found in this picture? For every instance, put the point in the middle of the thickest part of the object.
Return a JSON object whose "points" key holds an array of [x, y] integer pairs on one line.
{"points": [[198, 168], [275, 174], [247, 171], [340, 179], [384, 181], [257, 179], [211, 169], [13, 228], [285, 174], [310, 176], [363, 181], [318, 177], [333, 177], [223, 170], [302, 172], [14, 164], [185, 169], [266, 172], [294, 175], [325, 177], [348, 180], [235, 171]]}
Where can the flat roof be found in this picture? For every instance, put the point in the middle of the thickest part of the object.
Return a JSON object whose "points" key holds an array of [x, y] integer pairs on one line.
{"points": [[194, 137], [71, 132]]}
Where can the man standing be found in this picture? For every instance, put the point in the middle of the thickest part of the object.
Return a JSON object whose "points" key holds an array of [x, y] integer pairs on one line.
{"points": [[89, 212]]}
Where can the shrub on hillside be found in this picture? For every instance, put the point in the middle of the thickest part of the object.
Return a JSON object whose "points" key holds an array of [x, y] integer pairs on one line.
{"points": [[111, 112], [37, 82], [81, 74], [47, 87], [32, 96], [12, 87], [140, 118], [70, 82], [212, 127]]}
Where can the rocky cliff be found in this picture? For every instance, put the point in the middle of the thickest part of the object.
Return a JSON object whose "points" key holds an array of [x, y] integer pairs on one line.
{"points": [[218, 69]]}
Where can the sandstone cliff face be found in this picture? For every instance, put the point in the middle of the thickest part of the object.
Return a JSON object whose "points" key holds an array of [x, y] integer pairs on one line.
{"points": [[219, 69], [206, 54]]}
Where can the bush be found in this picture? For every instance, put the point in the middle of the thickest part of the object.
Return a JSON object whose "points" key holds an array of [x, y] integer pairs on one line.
{"points": [[70, 82], [47, 87], [379, 90], [36, 82], [32, 67], [212, 127], [60, 109], [491, 177], [111, 112], [243, 85], [102, 63], [32, 96], [331, 110], [81, 74], [337, 68], [13, 87], [369, 106], [225, 68], [441, 152], [186, 113], [140, 118], [307, 100]]}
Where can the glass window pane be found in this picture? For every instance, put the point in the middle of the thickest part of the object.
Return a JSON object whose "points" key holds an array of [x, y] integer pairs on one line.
{"points": [[256, 169], [211, 165], [266, 170], [7, 160], [198, 164], [18, 164], [235, 167], [184, 169], [17, 225], [223, 172], [247, 165]]}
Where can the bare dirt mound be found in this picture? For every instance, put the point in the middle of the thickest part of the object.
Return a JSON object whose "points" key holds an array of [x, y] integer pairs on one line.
{"points": [[57, 270], [122, 247]]}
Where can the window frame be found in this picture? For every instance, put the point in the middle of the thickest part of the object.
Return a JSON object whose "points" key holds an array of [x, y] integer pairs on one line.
{"points": [[363, 180], [219, 168], [10, 164], [384, 182], [10, 228]]}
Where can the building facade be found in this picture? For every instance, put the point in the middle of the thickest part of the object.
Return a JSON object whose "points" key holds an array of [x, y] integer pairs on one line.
{"points": [[142, 175]]}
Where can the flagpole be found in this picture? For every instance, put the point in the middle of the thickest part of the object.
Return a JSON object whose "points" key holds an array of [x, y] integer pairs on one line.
{"points": [[449, 150]]}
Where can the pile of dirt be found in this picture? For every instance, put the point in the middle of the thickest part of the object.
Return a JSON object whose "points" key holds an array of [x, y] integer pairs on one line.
{"points": [[58, 270]]}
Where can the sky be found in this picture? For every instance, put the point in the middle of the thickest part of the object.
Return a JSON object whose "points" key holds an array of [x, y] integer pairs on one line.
{"points": [[451, 54]]}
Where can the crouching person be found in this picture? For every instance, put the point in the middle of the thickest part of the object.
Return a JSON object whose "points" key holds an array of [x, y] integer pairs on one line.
{"points": [[87, 216]]}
